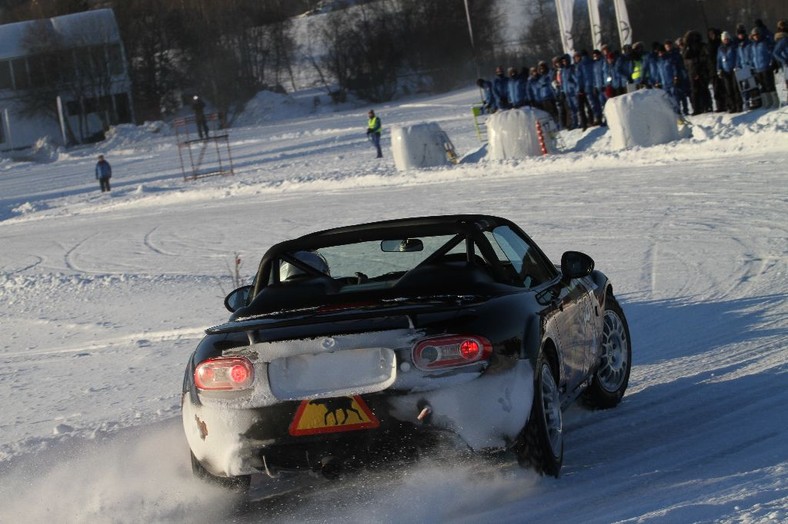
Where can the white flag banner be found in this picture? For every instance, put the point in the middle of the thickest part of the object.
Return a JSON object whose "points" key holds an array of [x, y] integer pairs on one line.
{"points": [[564, 10], [624, 29], [596, 24]]}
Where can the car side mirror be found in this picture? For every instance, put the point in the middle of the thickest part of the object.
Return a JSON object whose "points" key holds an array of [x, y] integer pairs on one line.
{"points": [[576, 265], [237, 298]]}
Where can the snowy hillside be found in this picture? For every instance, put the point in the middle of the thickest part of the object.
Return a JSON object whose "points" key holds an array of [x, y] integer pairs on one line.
{"points": [[103, 297]]}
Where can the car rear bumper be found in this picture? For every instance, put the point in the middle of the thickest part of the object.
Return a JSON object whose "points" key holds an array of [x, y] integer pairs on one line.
{"points": [[485, 413]]}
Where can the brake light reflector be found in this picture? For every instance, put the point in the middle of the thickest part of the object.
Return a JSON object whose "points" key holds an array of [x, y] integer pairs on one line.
{"points": [[450, 351], [224, 373]]}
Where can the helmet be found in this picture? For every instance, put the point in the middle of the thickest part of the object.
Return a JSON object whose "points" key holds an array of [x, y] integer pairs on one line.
{"points": [[756, 31], [288, 271]]}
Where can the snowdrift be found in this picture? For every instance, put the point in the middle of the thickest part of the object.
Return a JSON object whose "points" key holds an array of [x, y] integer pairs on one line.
{"points": [[419, 146], [643, 118], [512, 134]]}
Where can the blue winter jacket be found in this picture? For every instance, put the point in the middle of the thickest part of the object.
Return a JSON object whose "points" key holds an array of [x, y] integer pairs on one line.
{"points": [[743, 59], [760, 56], [781, 51], [650, 71], [613, 76], [544, 88], [569, 81], [585, 74], [517, 90], [531, 86], [726, 58], [103, 170], [599, 74], [668, 73], [501, 92], [625, 67]]}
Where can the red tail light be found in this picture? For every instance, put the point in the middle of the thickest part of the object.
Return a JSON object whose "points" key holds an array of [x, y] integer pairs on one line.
{"points": [[450, 351], [224, 373]]}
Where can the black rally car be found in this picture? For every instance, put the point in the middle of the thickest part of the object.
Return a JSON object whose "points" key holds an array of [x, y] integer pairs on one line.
{"points": [[366, 342]]}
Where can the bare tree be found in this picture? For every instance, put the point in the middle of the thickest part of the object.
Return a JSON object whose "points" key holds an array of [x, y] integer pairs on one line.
{"points": [[155, 62]]}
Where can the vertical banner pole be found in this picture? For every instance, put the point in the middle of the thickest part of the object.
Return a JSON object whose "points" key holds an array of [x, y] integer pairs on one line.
{"points": [[596, 24], [622, 16], [563, 9]]}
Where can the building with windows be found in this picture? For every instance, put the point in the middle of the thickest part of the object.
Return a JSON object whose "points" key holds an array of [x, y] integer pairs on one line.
{"points": [[64, 78]]}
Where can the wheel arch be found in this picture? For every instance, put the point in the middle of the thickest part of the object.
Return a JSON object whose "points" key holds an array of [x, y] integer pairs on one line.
{"points": [[550, 352], [602, 286]]}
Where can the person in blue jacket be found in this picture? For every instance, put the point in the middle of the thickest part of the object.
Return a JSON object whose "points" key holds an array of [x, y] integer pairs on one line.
{"points": [[488, 103], [742, 49], [501, 90], [569, 87], [781, 53], [766, 35], [726, 65], [516, 92], [626, 65], [743, 62], [669, 77], [761, 59], [544, 93], [588, 104], [103, 173], [523, 87], [531, 87], [599, 78], [681, 81], [615, 84]]}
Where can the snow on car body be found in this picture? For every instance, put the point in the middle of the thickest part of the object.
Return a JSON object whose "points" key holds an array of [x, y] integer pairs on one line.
{"points": [[362, 343]]}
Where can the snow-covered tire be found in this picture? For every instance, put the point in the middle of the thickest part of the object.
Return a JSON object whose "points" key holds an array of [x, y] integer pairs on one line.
{"points": [[239, 484], [611, 378], [541, 443]]}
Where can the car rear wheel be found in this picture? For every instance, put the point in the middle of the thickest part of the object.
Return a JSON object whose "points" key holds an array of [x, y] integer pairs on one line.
{"points": [[541, 443], [239, 484], [611, 378]]}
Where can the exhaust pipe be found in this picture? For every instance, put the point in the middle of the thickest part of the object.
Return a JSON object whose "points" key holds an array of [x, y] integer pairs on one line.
{"points": [[425, 410]]}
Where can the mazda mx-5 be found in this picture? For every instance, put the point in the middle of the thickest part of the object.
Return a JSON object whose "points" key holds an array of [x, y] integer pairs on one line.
{"points": [[368, 343]]}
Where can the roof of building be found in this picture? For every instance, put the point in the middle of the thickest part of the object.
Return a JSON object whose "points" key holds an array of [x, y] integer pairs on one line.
{"points": [[79, 29]]}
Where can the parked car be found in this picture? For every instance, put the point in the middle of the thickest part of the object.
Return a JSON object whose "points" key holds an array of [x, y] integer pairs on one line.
{"points": [[360, 344]]}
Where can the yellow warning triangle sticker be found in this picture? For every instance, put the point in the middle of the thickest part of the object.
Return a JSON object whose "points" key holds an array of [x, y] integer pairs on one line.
{"points": [[332, 415]]}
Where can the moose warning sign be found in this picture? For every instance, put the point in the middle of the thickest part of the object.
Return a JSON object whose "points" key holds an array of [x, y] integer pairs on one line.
{"points": [[332, 415]]}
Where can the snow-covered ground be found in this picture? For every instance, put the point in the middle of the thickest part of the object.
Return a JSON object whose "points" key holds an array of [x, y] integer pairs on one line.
{"points": [[103, 297]]}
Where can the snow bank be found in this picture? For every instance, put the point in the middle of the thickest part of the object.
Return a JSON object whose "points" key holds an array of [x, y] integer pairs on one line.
{"points": [[127, 134], [513, 134], [643, 118], [419, 146], [267, 106]]}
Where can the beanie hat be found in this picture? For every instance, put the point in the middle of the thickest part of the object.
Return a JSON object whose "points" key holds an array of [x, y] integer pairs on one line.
{"points": [[725, 35]]}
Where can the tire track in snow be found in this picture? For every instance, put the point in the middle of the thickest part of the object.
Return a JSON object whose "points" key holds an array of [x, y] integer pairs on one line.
{"points": [[139, 339], [38, 261], [70, 254], [150, 245]]}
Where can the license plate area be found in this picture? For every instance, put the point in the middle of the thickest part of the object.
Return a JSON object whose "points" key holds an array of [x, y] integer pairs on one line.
{"points": [[332, 374]]}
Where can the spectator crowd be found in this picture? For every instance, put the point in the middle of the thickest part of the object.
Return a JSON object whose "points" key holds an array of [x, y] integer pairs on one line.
{"points": [[724, 73]]}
